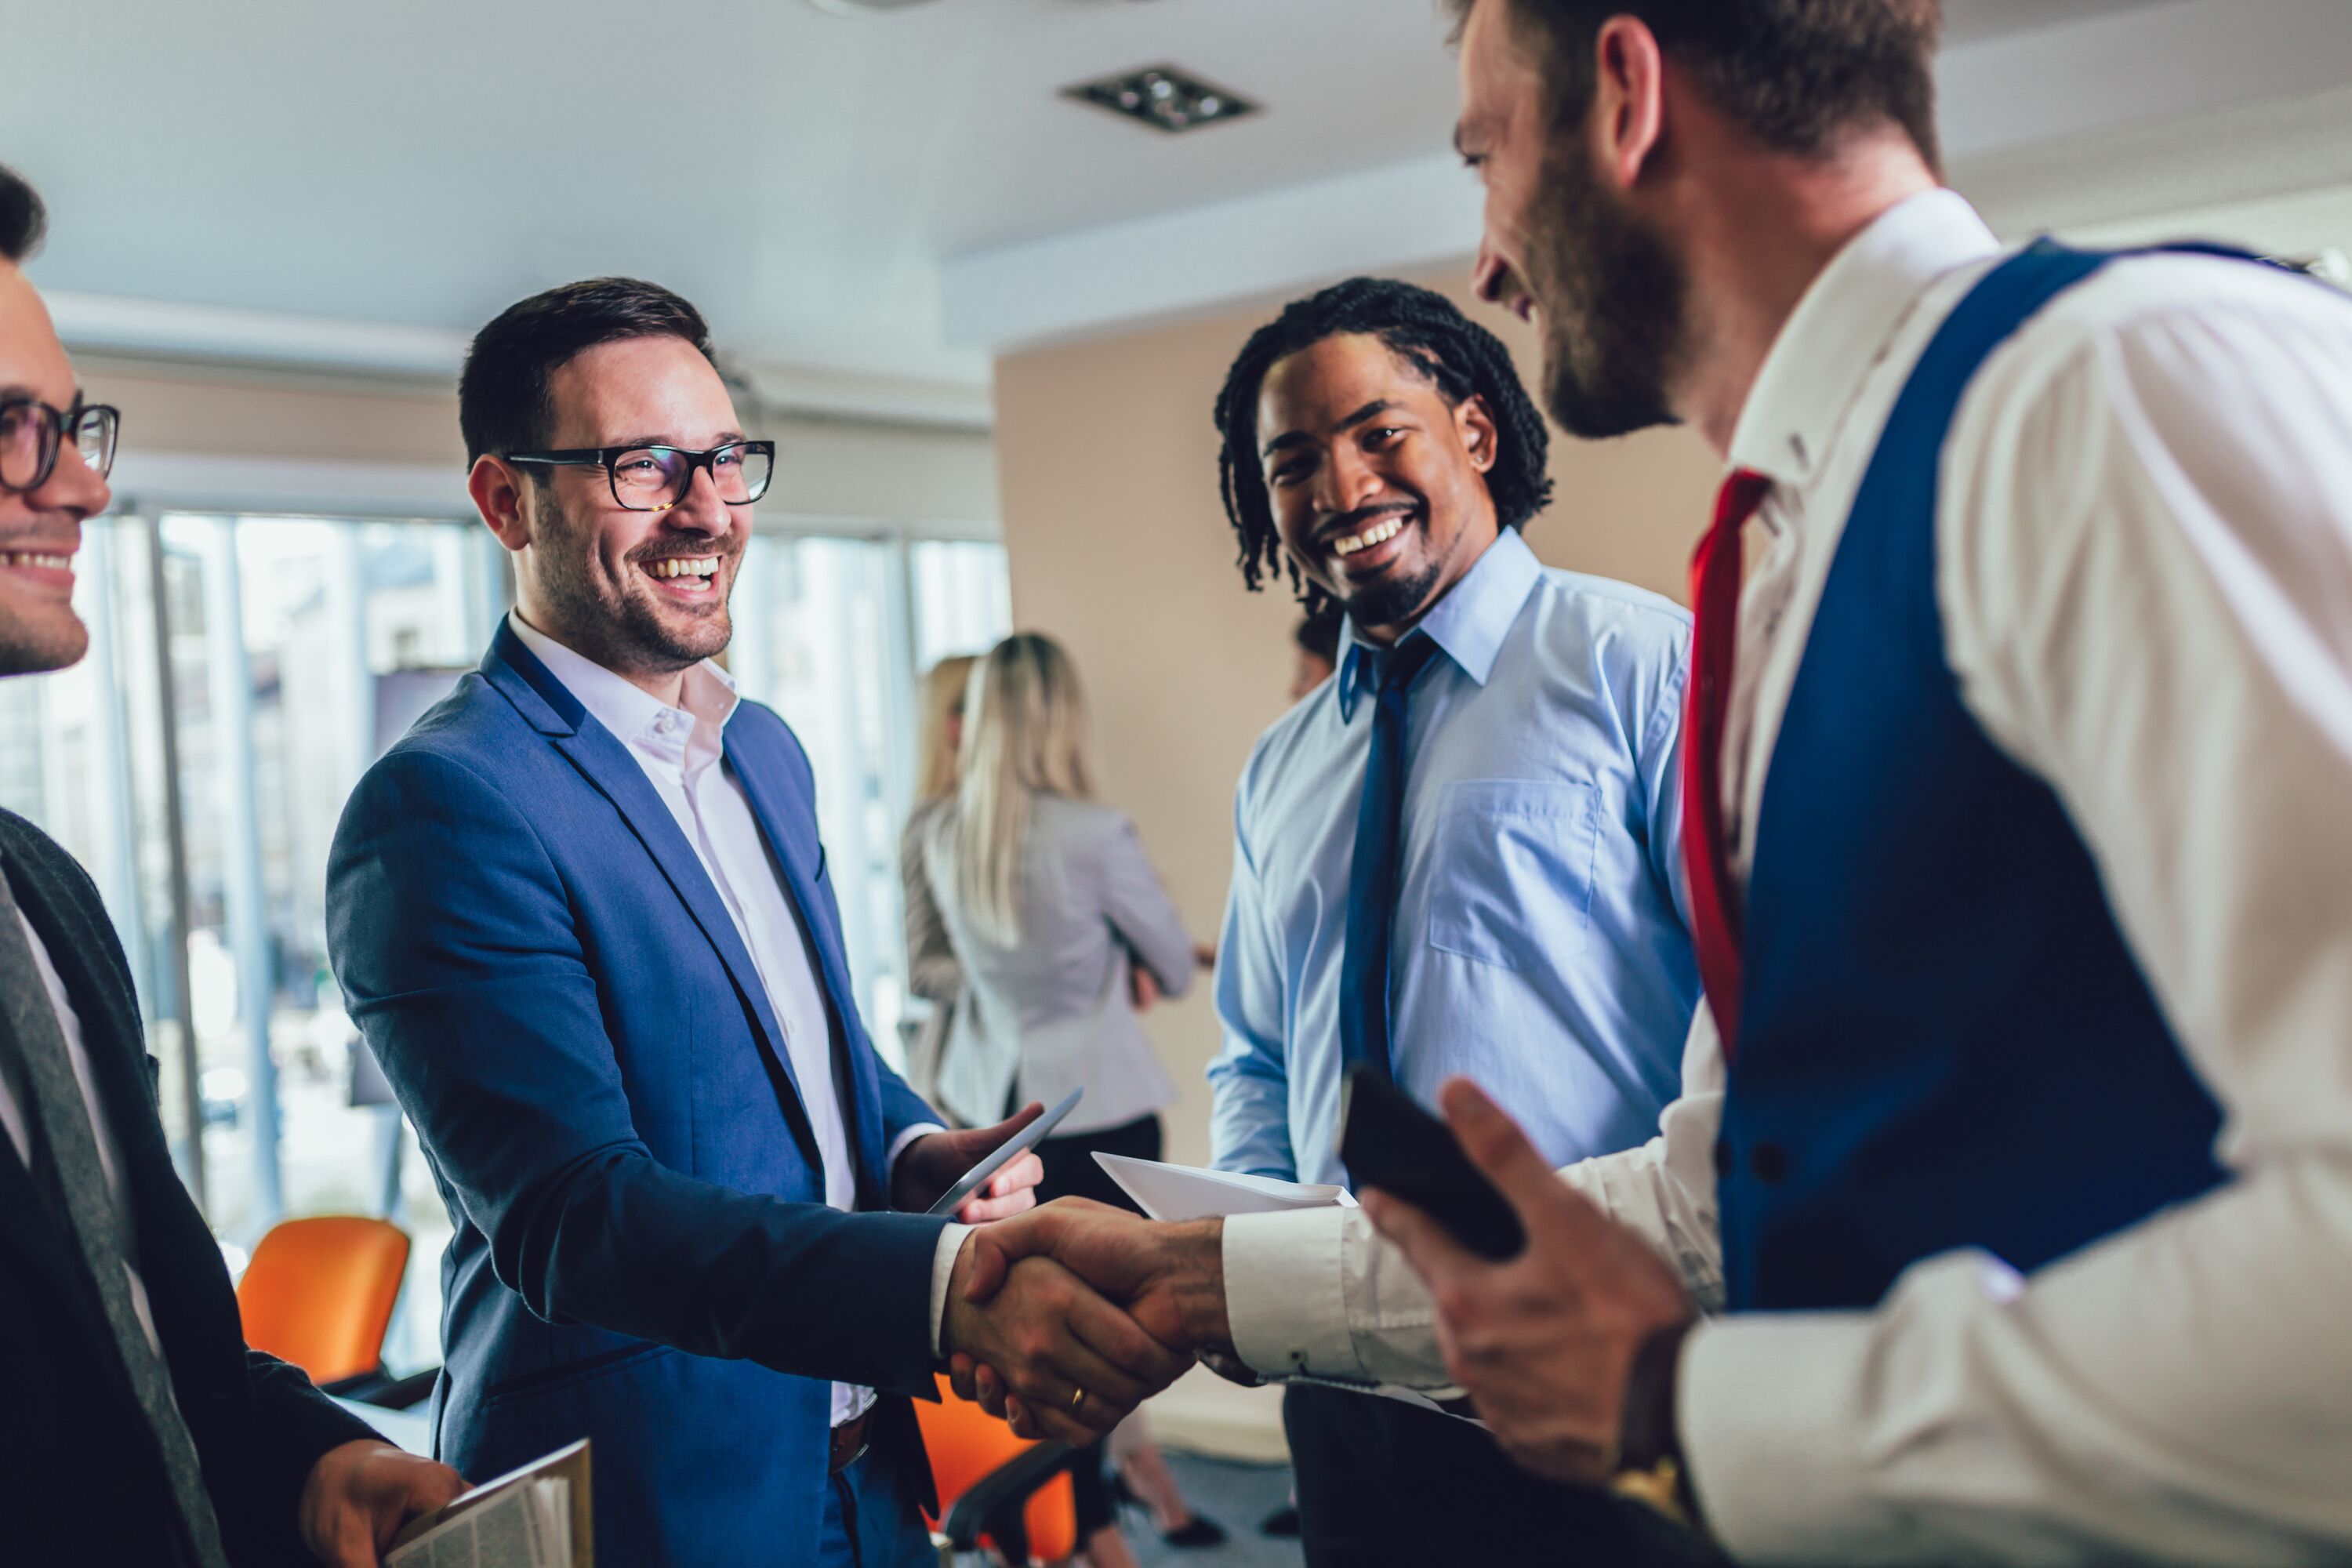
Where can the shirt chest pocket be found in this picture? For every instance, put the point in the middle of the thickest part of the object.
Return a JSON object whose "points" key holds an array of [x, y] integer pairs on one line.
{"points": [[1510, 871]]}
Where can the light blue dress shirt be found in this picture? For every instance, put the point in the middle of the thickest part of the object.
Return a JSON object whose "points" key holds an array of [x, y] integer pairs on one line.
{"points": [[1541, 942]]}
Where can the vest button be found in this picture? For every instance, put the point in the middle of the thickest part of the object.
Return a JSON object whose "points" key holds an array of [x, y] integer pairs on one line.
{"points": [[1770, 1162], [1723, 1160]]}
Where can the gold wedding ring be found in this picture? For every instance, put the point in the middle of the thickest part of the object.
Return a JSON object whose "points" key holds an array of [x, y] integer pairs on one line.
{"points": [[1078, 1397]]}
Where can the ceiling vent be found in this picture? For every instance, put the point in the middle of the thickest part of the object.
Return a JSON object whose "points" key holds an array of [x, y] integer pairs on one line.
{"points": [[1163, 98], [864, 7]]}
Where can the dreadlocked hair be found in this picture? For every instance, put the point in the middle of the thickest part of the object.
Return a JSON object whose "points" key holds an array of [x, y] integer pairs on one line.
{"points": [[1462, 359]]}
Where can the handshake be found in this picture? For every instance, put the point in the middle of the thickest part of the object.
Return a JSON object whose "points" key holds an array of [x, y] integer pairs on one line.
{"points": [[1064, 1319]]}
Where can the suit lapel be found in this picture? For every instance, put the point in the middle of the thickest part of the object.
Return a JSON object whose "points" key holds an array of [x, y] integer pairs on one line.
{"points": [[797, 857], [606, 765], [29, 1225]]}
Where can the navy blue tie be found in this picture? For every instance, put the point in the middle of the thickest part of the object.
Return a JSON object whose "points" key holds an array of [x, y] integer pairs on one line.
{"points": [[1373, 882]]}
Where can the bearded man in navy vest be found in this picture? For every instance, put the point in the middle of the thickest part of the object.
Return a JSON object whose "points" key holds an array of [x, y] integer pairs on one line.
{"points": [[2014, 1158]]}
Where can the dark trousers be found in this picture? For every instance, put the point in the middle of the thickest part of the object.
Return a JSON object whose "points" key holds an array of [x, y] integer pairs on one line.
{"points": [[1071, 1173], [1381, 1483]]}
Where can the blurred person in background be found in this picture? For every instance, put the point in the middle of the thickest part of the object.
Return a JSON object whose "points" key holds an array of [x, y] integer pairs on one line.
{"points": [[1315, 644], [933, 971], [1052, 909]]}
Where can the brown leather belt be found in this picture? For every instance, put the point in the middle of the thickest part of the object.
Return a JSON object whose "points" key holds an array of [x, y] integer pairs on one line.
{"points": [[850, 1441]]}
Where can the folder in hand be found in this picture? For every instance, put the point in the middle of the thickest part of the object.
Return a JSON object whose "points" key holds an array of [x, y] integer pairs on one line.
{"points": [[536, 1516]]}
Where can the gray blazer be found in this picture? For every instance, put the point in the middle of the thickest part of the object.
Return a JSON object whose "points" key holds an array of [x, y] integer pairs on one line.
{"points": [[933, 971], [1054, 1014]]}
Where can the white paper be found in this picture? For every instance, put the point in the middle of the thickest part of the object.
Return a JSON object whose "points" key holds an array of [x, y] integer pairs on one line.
{"points": [[1187, 1191]]}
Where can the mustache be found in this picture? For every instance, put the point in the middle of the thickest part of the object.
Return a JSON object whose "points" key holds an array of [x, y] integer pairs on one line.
{"points": [[40, 537], [645, 557], [1354, 522]]}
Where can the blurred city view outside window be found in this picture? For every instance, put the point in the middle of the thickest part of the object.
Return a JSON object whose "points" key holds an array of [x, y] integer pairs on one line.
{"points": [[298, 649]]}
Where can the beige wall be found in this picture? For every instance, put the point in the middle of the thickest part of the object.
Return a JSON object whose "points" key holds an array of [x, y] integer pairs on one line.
{"points": [[193, 409], [1120, 548], [859, 472]]}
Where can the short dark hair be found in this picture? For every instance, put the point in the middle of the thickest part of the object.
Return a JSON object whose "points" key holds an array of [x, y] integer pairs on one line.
{"points": [[23, 219], [1797, 74], [1426, 331], [504, 401]]}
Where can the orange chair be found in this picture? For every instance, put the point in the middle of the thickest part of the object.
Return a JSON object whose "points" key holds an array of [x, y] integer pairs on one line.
{"points": [[320, 1292], [983, 1473]]}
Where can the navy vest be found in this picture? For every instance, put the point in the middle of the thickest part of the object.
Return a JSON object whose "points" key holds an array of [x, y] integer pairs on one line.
{"points": [[1944, 1040]]}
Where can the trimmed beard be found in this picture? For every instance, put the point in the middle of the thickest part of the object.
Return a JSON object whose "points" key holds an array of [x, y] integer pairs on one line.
{"points": [[1394, 600], [1613, 298], [36, 647], [631, 634]]}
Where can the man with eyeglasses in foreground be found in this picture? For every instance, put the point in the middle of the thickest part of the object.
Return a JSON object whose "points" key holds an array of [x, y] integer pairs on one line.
{"points": [[581, 914], [136, 1427]]}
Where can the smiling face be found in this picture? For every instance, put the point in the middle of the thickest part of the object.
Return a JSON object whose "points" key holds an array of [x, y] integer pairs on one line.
{"points": [[642, 592], [41, 530], [1376, 480], [1563, 249]]}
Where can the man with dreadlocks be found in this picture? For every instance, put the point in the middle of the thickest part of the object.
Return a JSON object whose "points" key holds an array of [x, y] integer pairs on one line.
{"points": [[1458, 856]]}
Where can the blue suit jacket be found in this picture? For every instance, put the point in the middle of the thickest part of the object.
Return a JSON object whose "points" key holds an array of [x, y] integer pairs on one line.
{"points": [[643, 1255]]}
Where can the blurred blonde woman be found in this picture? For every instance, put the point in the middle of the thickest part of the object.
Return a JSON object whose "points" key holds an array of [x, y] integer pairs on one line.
{"points": [[933, 971], [1053, 910]]}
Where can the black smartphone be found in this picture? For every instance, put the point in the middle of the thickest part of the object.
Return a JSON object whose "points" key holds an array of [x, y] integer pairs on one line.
{"points": [[1386, 1141]]}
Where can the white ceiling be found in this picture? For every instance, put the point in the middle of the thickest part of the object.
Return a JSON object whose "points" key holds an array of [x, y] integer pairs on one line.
{"points": [[802, 176]]}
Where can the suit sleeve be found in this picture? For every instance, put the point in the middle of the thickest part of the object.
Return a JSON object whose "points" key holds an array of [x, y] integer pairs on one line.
{"points": [[453, 939], [298, 1424]]}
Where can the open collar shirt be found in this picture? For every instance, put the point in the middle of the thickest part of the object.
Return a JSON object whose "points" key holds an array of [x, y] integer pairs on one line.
{"points": [[682, 750], [1540, 942]]}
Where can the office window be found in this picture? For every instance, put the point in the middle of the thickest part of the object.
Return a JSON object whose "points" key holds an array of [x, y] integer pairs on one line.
{"points": [[297, 650], [830, 632], [963, 597]]}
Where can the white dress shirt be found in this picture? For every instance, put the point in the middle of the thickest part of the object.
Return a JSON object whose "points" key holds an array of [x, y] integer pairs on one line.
{"points": [[2144, 572], [109, 1148], [682, 752]]}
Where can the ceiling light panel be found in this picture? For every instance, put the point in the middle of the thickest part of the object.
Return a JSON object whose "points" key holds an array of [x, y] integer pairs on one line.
{"points": [[1164, 98]]}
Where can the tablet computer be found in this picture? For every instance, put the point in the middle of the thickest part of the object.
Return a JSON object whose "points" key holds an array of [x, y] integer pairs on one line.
{"points": [[1011, 1149]]}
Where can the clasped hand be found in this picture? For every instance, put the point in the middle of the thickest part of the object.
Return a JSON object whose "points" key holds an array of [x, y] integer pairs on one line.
{"points": [[1062, 1321]]}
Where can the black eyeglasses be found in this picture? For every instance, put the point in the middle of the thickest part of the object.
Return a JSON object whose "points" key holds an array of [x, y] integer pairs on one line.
{"points": [[32, 433], [656, 478]]}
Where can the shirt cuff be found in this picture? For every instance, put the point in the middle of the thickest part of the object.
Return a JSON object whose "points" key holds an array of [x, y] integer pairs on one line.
{"points": [[943, 1262], [1767, 1409], [1287, 1296], [906, 1136]]}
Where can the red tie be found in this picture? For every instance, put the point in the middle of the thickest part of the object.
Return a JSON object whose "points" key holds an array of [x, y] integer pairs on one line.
{"points": [[1715, 598]]}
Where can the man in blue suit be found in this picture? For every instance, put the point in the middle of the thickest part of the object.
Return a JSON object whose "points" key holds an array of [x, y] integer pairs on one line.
{"points": [[581, 914]]}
